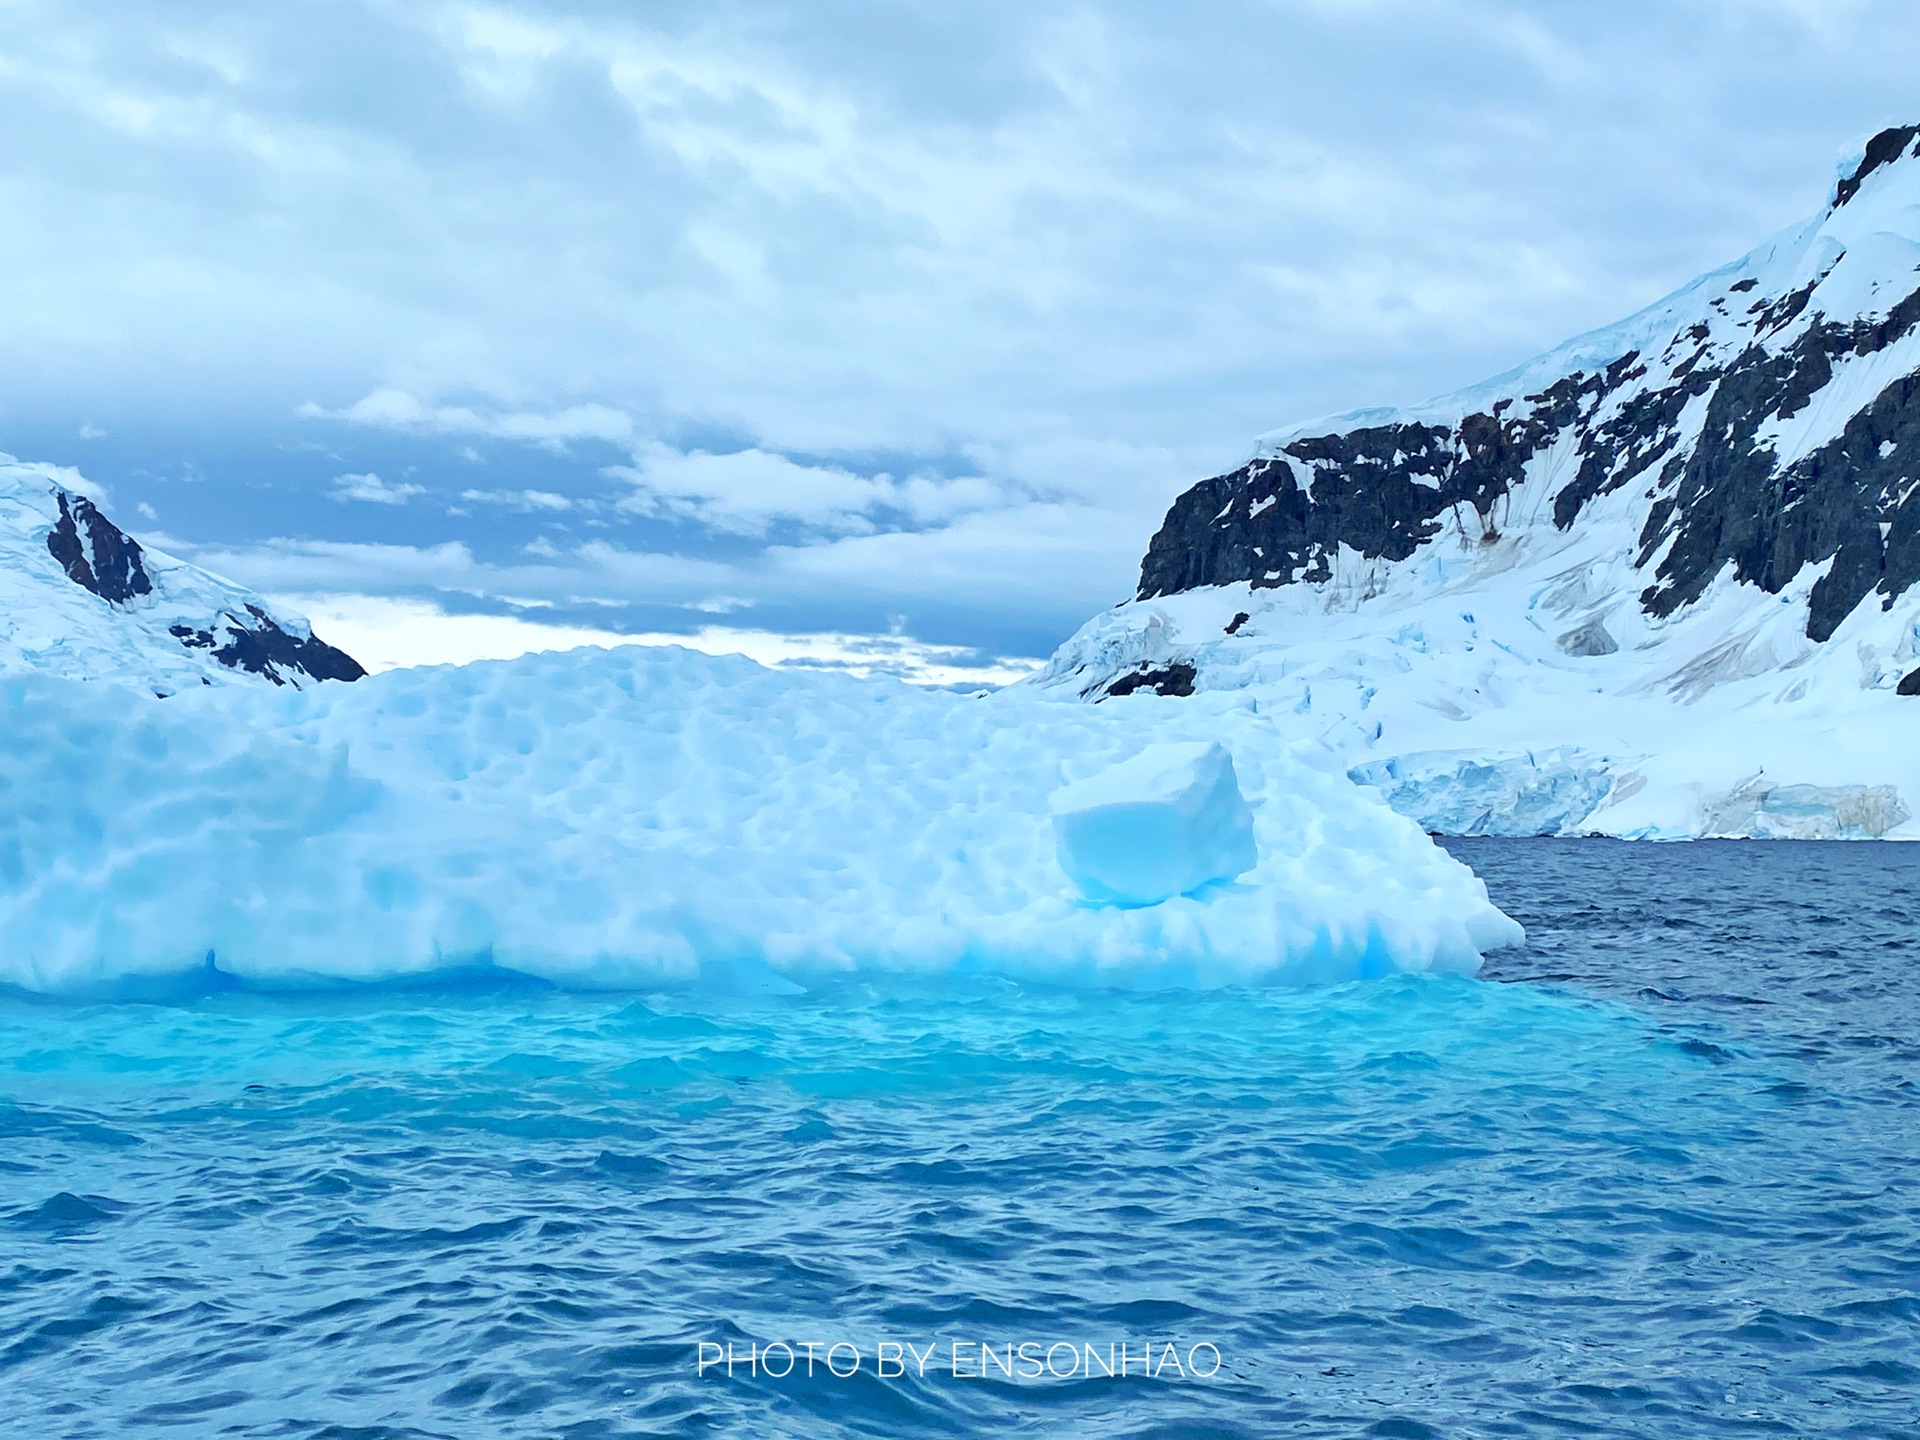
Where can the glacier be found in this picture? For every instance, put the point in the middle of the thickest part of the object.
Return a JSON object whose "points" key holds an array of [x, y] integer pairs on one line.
{"points": [[1455, 697], [1527, 794], [645, 816]]}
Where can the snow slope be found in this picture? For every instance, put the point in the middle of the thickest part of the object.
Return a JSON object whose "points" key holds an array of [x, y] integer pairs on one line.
{"points": [[639, 816], [82, 600], [1661, 582]]}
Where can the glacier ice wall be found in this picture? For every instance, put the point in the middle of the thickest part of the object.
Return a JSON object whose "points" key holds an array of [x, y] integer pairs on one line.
{"points": [[1454, 794]]}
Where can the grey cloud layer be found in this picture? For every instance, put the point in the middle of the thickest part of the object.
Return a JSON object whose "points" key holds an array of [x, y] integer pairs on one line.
{"points": [[1089, 249]]}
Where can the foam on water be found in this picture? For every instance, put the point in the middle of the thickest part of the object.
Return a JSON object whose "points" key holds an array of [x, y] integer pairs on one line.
{"points": [[1661, 1182]]}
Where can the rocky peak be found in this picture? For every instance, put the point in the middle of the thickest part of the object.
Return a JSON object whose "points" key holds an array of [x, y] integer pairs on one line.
{"points": [[96, 554], [1889, 146], [1663, 580], [1766, 420], [82, 599]]}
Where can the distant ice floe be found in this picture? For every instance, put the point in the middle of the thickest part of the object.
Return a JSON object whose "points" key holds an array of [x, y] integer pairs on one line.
{"points": [[642, 816]]}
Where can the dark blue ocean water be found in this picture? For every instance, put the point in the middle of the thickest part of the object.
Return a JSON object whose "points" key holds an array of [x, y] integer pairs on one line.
{"points": [[1658, 1175]]}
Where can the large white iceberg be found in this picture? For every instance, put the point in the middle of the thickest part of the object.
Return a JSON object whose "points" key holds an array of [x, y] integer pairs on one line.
{"points": [[644, 816]]}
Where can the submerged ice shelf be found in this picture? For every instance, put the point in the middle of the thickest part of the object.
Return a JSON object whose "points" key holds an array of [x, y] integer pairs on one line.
{"points": [[644, 816]]}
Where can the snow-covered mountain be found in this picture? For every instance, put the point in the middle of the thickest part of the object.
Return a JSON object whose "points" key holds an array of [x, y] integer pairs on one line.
{"points": [[82, 600], [1660, 581]]}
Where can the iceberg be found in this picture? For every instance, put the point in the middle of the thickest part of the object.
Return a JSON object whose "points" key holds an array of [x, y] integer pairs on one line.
{"points": [[1170, 821], [640, 817]]}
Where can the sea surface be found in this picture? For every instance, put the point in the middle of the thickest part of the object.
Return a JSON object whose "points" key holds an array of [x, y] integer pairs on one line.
{"points": [[1656, 1175]]}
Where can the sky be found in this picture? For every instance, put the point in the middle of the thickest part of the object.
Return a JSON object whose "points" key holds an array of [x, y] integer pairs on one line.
{"points": [[867, 334]]}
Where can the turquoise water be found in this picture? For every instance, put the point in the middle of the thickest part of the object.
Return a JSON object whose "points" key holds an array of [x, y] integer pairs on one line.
{"points": [[1657, 1175]]}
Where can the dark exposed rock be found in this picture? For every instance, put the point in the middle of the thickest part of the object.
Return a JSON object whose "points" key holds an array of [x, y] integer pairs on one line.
{"points": [[103, 560], [1173, 679], [1382, 491], [261, 647], [1883, 149], [1909, 683], [96, 554], [1733, 502], [1233, 625]]}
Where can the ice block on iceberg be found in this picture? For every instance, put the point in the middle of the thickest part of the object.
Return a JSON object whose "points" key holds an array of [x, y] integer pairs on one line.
{"points": [[1166, 822]]}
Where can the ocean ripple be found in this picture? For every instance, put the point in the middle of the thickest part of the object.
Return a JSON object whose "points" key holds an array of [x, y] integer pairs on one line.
{"points": [[1643, 1179]]}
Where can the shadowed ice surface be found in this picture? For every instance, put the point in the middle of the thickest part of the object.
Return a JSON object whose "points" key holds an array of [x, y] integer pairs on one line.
{"points": [[1656, 1175]]}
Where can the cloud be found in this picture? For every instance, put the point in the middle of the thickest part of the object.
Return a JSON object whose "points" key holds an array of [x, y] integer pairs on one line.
{"points": [[370, 489], [737, 492], [518, 499], [606, 223], [332, 566], [1033, 570], [388, 634], [1035, 567], [593, 573], [927, 311], [397, 410], [748, 491]]}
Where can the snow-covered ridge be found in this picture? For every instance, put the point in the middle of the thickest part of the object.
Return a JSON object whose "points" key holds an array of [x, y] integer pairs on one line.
{"points": [[1663, 580], [642, 816], [81, 599]]}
